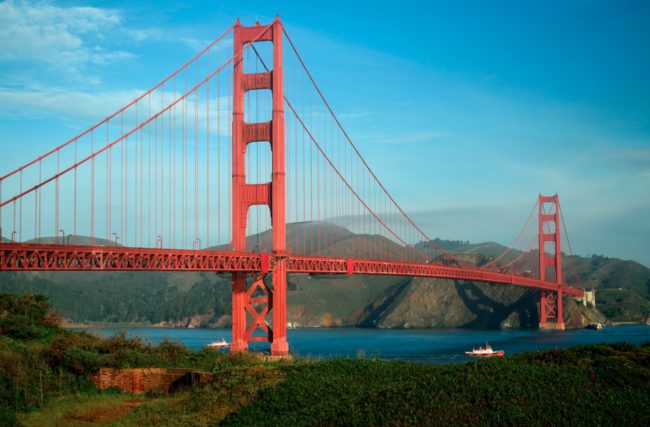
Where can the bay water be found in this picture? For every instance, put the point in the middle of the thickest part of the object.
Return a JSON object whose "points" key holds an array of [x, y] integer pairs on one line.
{"points": [[420, 345]]}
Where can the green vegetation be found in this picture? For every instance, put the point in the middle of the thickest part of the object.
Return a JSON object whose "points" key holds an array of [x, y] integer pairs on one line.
{"points": [[120, 296], [45, 380], [82, 408], [40, 362], [239, 383], [319, 293], [597, 385], [601, 272], [622, 305]]}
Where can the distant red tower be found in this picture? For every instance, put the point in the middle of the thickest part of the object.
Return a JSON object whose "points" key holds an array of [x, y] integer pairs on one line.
{"points": [[550, 307], [259, 299]]}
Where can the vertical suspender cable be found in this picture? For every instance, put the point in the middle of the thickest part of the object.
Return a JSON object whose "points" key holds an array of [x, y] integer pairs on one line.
{"points": [[56, 203], [174, 231], [135, 182], [207, 156], [218, 155], [161, 143], [20, 208], [229, 78], [92, 190], [149, 184], [170, 176], [74, 231], [196, 161], [122, 172]]}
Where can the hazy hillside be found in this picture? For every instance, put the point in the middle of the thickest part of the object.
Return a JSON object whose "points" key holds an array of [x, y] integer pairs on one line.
{"points": [[595, 271], [203, 299], [125, 296], [602, 272], [623, 305], [332, 301], [630, 279], [325, 239], [74, 240]]}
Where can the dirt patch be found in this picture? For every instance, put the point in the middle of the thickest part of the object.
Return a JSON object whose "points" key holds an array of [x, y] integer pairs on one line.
{"points": [[106, 414]]}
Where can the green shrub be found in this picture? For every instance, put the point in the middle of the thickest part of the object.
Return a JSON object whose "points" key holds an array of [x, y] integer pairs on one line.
{"points": [[600, 385], [119, 341], [26, 317], [172, 352], [35, 307], [80, 361], [22, 328], [7, 416]]}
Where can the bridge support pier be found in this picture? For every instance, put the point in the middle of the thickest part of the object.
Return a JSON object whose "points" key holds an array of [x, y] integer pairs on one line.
{"points": [[279, 344], [550, 305], [259, 299], [550, 311], [239, 303]]}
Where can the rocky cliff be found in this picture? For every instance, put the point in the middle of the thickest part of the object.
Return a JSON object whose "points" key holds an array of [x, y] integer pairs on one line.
{"points": [[436, 303]]}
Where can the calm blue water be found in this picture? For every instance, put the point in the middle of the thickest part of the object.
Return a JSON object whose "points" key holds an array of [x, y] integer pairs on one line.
{"points": [[421, 345]]}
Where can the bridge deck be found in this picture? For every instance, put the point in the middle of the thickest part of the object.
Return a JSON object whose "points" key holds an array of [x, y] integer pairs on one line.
{"points": [[49, 257]]}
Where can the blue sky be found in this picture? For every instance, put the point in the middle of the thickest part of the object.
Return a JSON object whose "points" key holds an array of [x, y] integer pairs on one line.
{"points": [[486, 103]]}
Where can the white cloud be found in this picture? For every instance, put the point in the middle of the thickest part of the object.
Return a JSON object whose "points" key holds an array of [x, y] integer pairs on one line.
{"points": [[63, 103], [154, 34], [145, 34], [354, 115], [87, 107], [56, 36]]}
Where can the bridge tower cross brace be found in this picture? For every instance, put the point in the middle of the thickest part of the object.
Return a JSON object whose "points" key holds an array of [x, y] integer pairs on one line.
{"points": [[269, 299], [550, 306]]}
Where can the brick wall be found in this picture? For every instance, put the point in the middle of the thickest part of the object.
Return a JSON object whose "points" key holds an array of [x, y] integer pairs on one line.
{"points": [[142, 380]]}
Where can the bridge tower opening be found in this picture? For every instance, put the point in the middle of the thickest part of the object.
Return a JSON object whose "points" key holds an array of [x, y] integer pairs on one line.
{"points": [[550, 306], [262, 298]]}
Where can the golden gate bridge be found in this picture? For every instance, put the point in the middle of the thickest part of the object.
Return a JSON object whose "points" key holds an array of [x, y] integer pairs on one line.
{"points": [[238, 143]]}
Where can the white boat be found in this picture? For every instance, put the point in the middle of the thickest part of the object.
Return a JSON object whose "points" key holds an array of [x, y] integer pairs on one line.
{"points": [[485, 352], [222, 343], [598, 326]]}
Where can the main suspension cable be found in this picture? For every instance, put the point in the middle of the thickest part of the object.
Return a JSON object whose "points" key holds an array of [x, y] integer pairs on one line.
{"points": [[408, 218]]}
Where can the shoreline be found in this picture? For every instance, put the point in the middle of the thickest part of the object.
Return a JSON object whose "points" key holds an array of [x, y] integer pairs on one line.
{"points": [[93, 325]]}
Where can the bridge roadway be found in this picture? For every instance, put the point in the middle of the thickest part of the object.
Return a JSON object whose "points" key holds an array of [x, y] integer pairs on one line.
{"points": [[53, 257]]}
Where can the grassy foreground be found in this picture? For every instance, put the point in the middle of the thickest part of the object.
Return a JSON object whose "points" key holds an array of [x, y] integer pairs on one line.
{"points": [[44, 375]]}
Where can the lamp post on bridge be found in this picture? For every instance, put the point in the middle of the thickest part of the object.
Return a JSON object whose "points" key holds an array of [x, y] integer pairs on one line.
{"points": [[159, 239], [116, 238], [62, 235], [197, 244]]}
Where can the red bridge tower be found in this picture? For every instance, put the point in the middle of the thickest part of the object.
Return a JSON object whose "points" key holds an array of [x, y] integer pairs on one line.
{"points": [[550, 306], [259, 299]]}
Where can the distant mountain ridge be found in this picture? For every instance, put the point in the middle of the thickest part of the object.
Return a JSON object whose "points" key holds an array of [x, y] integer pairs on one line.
{"points": [[71, 239], [203, 299]]}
